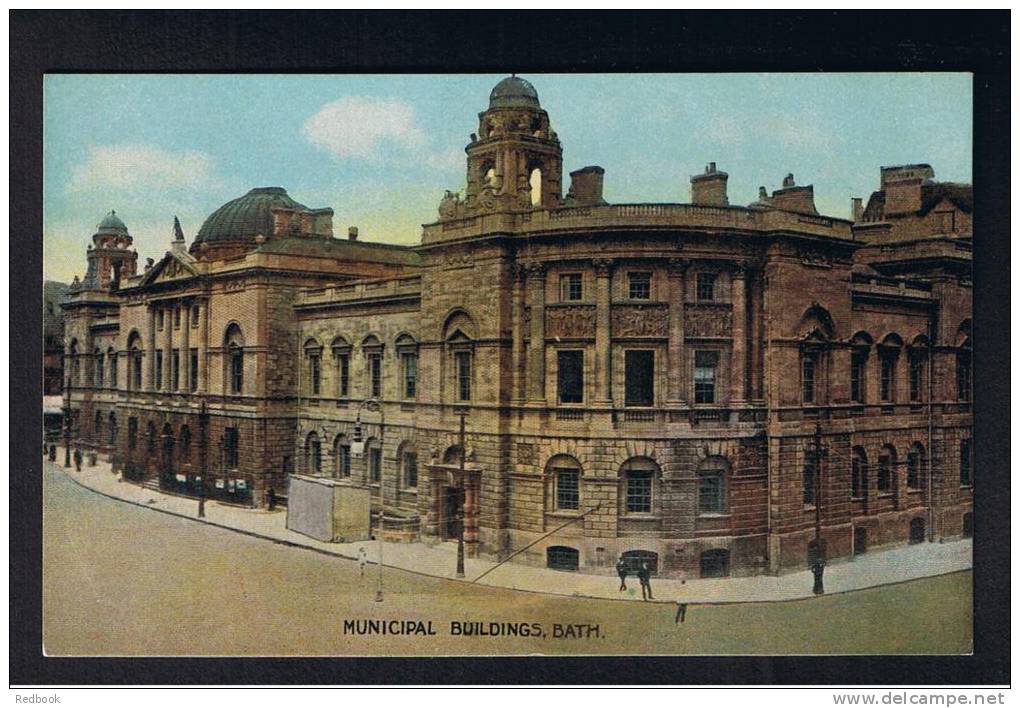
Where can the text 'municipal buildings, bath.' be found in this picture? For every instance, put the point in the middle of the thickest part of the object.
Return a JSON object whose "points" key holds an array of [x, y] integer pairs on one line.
{"points": [[661, 370]]}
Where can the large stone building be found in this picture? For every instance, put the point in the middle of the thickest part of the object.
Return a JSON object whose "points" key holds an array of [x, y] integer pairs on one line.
{"points": [[700, 385], [53, 337]]}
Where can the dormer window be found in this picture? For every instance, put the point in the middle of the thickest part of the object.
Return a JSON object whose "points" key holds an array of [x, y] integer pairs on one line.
{"points": [[945, 222]]}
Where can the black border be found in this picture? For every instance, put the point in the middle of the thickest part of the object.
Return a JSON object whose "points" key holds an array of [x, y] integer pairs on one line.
{"points": [[527, 41]]}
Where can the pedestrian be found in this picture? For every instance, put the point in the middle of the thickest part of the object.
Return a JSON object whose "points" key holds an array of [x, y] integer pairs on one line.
{"points": [[681, 607], [77, 459], [645, 576], [621, 570], [271, 498], [362, 560]]}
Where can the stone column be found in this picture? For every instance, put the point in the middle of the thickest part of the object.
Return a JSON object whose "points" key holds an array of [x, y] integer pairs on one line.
{"points": [[168, 348], [185, 348], [536, 347], [203, 345], [517, 343], [677, 299], [603, 336], [738, 368], [150, 350]]}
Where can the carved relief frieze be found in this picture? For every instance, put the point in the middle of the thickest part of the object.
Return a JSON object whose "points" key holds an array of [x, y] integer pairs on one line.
{"points": [[571, 321], [640, 320], [701, 320], [526, 454]]}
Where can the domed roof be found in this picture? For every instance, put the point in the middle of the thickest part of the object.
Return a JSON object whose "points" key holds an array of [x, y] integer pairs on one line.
{"points": [[244, 218], [111, 224], [513, 92]]}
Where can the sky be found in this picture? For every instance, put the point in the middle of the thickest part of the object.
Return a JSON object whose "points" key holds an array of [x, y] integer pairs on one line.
{"points": [[382, 149]]}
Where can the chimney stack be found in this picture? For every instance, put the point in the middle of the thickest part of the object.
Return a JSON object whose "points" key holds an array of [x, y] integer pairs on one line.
{"points": [[586, 186], [709, 189], [856, 209], [352, 233]]}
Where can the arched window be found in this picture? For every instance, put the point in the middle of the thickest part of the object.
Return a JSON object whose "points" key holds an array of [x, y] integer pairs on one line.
{"points": [[918, 358], [341, 349], [135, 362], [373, 453], [861, 348], [639, 476], [564, 474], [373, 350], [313, 357], [185, 443], [889, 354], [407, 350], [341, 457], [915, 466], [712, 489], [887, 469], [100, 367], [963, 362], [313, 454], [112, 429], [858, 473], [233, 340], [535, 182], [97, 428], [111, 357], [715, 563]]}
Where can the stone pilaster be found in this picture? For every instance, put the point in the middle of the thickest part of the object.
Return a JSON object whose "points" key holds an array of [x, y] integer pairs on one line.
{"points": [[517, 353], [603, 355], [184, 382], [168, 348], [675, 348], [150, 350], [203, 345], [738, 369], [536, 347]]}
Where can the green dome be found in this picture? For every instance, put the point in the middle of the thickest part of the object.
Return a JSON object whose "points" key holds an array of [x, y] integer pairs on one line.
{"points": [[242, 219], [513, 92], [111, 224]]}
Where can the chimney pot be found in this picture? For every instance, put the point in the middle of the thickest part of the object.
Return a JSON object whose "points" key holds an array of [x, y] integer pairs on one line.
{"points": [[352, 233]]}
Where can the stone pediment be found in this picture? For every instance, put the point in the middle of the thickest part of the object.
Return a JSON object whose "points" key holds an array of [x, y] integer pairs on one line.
{"points": [[173, 266]]}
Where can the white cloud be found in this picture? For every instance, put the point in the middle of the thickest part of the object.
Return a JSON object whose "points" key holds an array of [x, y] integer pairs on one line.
{"points": [[135, 168], [361, 127]]}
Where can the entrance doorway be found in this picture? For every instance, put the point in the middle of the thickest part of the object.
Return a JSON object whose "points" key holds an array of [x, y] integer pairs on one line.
{"points": [[167, 456], [917, 530], [860, 540], [453, 507]]}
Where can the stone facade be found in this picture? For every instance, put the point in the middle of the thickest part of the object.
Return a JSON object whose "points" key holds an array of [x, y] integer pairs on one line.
{"points": [[701, 385]]}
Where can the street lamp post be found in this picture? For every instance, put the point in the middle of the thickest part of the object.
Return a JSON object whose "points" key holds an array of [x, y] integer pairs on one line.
{"points": [[373, 404], [460, 506], [67, 435], [203, 435], [816, 549]]}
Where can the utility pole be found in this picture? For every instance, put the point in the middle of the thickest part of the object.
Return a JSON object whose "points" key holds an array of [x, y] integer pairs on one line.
{"points": [[461, 500], [203, 455], [816, 549]]}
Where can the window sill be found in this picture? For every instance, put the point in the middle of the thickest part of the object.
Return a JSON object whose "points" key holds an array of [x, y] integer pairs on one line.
{"points": [[640, 516], [714, 515], [885, 495], [967, 486], [564, 513]]}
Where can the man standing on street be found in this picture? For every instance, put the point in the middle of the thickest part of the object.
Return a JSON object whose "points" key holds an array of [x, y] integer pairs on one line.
{"points": [[621, 570], [645, 576], [362, 560], [681, 608]]}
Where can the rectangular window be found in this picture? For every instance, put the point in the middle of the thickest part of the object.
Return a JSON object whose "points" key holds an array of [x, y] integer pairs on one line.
{"points": [[375, 375], [916, 378], [639, 492], [705, 364], [374, 465], [193, 370], [913, 470], [230, 447], [567, 489], [857, 361], [411, 469], [194, 315], [710, 494], [177, 318], [639, 286], [857, 476], [100, 367], [639, 375], [315, 373], [887, 378], [706, 286], [569, 376], [158, 383], [963, 376], [344, 364], [175, 370], [236, 370], [570, 287], [410, 375], [463, 361], [159, 319], [136, 364], [966, 479], [113, 369], [808, 368], [945, 221]]}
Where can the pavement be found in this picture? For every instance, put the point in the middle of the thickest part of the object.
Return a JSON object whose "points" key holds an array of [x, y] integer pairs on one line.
{"points": [[876, 568]]}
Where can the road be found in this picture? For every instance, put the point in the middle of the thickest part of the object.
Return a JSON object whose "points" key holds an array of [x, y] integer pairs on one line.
{"points": [[120, 580]]}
